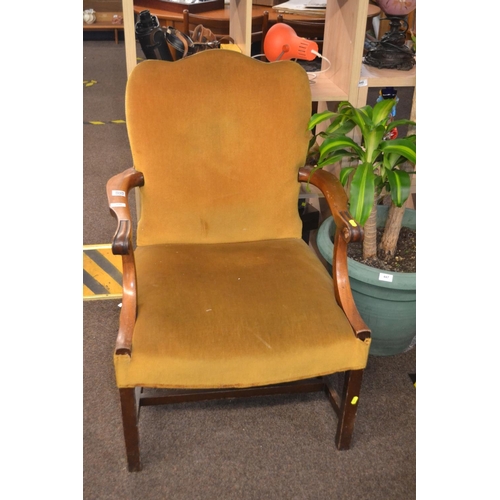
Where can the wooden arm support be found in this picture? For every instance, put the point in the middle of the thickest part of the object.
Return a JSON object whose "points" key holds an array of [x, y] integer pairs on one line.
{"points": [[118, 189], [347, 230]]}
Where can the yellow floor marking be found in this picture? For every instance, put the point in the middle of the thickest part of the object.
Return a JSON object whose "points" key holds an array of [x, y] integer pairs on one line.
{"points": [[102, 273]]}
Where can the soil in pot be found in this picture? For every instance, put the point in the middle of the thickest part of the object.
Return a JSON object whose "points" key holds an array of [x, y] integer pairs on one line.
{"points": [[405, 259]]}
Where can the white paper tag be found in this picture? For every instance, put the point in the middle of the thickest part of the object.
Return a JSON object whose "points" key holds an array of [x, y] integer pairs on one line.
{"points": [[116, 205], [363, 83], [385, 277], [117, 192]]}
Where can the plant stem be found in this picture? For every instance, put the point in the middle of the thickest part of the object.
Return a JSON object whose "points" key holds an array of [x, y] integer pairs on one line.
{"points": [[392, 229], [370, 238]]}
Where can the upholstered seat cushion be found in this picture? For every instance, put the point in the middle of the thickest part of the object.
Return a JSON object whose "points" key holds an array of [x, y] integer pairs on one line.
{"points": [[235, 315]]}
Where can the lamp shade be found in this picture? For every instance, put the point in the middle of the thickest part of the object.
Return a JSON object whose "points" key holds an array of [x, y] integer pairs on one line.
{"points": [[397, 7], [282, 43]]}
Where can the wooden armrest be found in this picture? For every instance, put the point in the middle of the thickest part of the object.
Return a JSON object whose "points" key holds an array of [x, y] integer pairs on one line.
{"points": [[347, 230], [117, 189], [336, 198]]}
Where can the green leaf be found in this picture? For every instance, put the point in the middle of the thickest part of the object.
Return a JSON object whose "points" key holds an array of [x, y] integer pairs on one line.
{"points": [[372, 142], [345, 108], [400, 184], [341, 125], [339, 142], [403, 147], [399, 123], [312, 141], [319, 117], [382, 110], [368, 112], [379, 183], [362, 193], [362, 120], [400, 161], [392, 159], [345, 173], [334, 158]]}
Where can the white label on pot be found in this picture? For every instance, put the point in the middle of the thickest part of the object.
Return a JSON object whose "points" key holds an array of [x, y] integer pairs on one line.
{"points": [[117, 192], [385, 277], [117, 205]]}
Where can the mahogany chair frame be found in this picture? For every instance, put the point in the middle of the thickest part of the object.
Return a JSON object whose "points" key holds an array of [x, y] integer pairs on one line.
{"points": [[345, 404]]}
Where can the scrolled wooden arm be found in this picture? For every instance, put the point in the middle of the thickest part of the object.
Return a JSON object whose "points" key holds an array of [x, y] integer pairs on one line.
{"points": [[336, 198], [118, 189], [347, 230]]}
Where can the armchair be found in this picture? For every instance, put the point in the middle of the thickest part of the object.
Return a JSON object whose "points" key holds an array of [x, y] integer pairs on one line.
{"points": [[221, 296]]}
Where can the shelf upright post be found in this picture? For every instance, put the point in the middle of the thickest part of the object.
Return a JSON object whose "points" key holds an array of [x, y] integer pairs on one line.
{"points": [[240, 24], [129, 35]]}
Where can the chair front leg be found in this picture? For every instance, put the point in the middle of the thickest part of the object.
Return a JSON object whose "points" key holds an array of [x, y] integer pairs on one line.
{"points": [[348, 408], [130, 418]]}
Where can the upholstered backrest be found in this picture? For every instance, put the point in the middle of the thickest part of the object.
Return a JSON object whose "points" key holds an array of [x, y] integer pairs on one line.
{"points": [[219, 137]]}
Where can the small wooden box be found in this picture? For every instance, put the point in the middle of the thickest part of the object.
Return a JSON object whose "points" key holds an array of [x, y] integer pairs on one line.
{"points": [[194, 8]]}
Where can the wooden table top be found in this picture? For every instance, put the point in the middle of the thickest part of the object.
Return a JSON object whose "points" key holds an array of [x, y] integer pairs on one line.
{"points": [[160, 9]]}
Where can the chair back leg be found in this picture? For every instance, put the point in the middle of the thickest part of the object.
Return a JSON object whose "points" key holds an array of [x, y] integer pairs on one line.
{"points": [[348, 408], [130, 417]]}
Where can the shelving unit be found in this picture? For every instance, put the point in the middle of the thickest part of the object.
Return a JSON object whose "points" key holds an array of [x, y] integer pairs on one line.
{"points": [[345, 27]]}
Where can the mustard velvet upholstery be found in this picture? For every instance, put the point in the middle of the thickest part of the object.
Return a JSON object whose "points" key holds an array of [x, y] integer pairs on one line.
{"points": [[201, 152], [235, 315]]}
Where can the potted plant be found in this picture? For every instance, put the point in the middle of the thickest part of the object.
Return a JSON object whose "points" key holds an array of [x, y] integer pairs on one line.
{"points": [[378, 167]]}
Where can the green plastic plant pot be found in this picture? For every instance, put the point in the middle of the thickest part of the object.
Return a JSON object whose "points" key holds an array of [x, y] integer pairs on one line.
{"points": [[386, 300]]}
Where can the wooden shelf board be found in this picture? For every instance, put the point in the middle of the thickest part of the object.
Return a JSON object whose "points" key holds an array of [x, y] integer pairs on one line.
{"points": [[102, 25], [388, 77], [322, 89]]}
